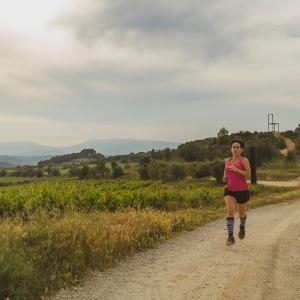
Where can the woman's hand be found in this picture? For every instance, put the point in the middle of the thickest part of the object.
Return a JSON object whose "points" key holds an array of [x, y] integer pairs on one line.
{"points": [[224, 179], [233, 169]]}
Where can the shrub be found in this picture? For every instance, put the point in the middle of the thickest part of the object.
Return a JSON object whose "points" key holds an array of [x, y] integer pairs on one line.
{"points": [[202, 170], [3, 173], [117, 172], [217, 170], [280, 143], [291, 156]]}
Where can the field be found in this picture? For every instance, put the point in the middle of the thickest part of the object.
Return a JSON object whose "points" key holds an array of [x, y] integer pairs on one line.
{"points": [[52, 233], [279, 169]]}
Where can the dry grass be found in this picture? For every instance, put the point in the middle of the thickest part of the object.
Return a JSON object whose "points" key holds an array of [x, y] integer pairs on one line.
{"points": [[43, 254]]}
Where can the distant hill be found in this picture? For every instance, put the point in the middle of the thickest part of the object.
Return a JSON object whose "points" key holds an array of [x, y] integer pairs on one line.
{"points": [[121, 146], [13, 161], [4, 164], [25, 148], [106, 147]]}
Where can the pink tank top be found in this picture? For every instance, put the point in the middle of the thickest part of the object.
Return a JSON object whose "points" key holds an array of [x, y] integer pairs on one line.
{"points": [[235, 181]]}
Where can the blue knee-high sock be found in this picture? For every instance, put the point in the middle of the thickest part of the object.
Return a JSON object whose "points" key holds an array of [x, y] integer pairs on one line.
{"points": [[230, 225]]}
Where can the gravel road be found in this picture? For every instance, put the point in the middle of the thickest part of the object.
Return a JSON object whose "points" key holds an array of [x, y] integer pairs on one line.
{"points": [[198, 264]]}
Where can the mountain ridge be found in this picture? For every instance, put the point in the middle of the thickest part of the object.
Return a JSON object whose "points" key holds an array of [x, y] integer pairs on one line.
{"points": [[27, 152]]}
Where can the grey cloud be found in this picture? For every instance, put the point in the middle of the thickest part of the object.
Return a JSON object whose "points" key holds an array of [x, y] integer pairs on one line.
{"points": [[203, 28]]}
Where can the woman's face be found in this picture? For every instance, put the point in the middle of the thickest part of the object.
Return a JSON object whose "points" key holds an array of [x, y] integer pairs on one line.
{"points": [[236, 149]]}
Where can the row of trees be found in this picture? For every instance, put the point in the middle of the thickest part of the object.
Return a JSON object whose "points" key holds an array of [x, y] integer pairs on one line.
{"points": [[99, 171], [30, 171], [209, 149], [159, 170]]}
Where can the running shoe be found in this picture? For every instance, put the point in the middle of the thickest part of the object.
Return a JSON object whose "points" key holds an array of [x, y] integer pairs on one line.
{"points": [[230, 241], [242, 232]]}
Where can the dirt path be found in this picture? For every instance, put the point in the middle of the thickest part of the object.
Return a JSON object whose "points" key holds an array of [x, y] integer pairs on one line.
{"points": [[287, 183], [290, 146], [198, 265]]}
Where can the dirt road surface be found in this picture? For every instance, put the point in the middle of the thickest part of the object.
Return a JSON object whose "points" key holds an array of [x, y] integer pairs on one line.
{"points": [[198, 264], [288, 183]]}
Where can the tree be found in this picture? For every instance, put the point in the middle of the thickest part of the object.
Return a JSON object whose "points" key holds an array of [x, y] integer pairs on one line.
{"points": [[177, 172], [3, 173], [143, 171], [101, 168], [192, 151], [167, 154], [117, 172], [223, 132], [113, 164], [84, 172], [217, 170], [39, 173], [280, 143], [145, 160], [54, 172], [202, 170], [297, 144], [73, 171], [87, 152], [291, 156]]}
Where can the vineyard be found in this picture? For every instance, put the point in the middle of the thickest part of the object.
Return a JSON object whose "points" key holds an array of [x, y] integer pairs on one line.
{"points": [[57, 197]]}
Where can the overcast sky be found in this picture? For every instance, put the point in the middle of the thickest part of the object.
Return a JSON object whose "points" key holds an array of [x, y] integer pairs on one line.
{"points": [[73, 70]]}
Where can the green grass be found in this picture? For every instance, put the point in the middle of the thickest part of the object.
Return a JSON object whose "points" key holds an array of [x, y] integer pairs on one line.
{"points": [[17, 180], [279, 170]]}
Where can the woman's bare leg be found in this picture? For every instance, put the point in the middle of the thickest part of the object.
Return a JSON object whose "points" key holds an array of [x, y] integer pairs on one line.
{"points": [[231, 206], [242, 210]]}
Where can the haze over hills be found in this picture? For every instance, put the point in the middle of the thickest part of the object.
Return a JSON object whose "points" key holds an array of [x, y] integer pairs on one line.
{"points": [[27, 152]]}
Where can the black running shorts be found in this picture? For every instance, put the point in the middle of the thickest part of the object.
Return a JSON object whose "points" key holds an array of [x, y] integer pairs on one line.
{"points": [[240, 196]]}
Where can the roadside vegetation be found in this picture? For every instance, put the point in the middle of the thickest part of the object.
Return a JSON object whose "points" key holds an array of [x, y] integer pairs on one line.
{"points": [[80, 212]]}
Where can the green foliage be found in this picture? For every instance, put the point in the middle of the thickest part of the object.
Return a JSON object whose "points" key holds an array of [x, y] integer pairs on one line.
{"points": [[143, 172], [18, 279], [201, 170], [265, 150], [27, 171], [85, 173], [297, 144], [217, 170], [101, 168], [165, 154], [222, 132], [291, 156], [54, 172], [85, 153], [117, 172], [280, 143], [219, 148], [192, 151], [57, 197], [113, 164], [159, 170], [291, 134], [3, 173], [73, 171], [145, 160]]}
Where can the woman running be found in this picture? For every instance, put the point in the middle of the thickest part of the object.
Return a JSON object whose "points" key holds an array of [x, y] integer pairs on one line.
{"points": [[237, 170]]}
